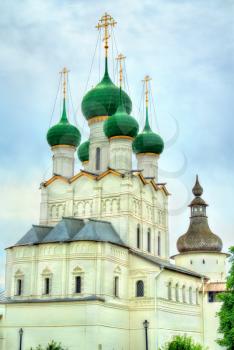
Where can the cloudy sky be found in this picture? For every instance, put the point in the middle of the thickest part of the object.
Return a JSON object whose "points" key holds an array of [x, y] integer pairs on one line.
{"points": [[185, 46]]}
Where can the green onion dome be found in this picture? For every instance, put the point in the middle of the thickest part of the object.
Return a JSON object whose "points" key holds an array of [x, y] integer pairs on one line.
{"points": [[148, 141], [83, 152], [63, 133], [121, 123], [103, 100]]}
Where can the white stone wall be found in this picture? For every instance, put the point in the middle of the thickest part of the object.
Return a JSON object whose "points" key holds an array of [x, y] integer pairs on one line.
{"points": [[121, 154], [63, 160], [148, 162], [98, 139], [116, 323], [126, 202], [212, 265]]}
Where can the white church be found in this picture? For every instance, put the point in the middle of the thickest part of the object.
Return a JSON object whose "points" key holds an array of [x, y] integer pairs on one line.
{"points": [[95, 273]]}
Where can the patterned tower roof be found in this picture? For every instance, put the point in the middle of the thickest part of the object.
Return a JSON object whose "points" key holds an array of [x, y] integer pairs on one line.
{"points": [[199, 237]]}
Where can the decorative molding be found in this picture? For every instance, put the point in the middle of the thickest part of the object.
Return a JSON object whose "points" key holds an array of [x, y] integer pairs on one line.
{"points": [[97, 119]]}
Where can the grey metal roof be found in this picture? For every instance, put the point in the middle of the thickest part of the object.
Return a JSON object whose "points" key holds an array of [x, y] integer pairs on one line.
{"points": [[2, 296], [72, 229], [97, 230], [35, 235], [65, 230], [167, 265]]}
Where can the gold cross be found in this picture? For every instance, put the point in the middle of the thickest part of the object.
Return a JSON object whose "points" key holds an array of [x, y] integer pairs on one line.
{"points": [[120, 58], [64, 74], [146, 83], [105, 22]]}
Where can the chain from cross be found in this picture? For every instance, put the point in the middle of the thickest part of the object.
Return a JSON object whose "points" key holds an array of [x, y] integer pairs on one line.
{"points": [[146, 84], [64, 74], [105, 22], [120, 58]]}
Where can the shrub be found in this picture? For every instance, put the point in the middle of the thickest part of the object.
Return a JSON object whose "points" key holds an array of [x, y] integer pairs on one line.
{"points": [[51, 346], [226, 313], [182, 343]]}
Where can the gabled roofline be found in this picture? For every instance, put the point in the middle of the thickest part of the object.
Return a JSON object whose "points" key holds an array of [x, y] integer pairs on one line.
{"points": [[167, 265], [97, 177]]}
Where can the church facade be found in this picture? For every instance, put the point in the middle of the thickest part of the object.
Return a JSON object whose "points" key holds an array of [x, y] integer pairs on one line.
{"points": [[96, 273]]}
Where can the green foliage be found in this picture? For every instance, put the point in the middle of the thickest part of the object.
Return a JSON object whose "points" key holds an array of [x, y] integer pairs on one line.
{"points": [[51, 346], [182, 343], [226, 313]]}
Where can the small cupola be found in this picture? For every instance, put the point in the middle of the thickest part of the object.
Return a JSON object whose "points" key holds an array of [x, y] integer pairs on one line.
{"points": [[63, 133], [83, 151], [148, 141], [199, 236], [103, 100]]}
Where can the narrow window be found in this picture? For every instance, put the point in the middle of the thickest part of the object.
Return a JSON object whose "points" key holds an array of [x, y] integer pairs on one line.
{"points": [[190, 295], [149, 240], [169, 291], [78, 284], [116, 286], [19, 287], [177, 292], [140, 289], [159, 244], [191, 262], [47, 286], [203, 261], [98, 158], [138, 236], [184, 294]]}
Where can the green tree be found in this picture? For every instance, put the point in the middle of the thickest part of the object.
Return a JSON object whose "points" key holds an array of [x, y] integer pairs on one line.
{"points": [[226, 313], [182, 343], [51, 346]]}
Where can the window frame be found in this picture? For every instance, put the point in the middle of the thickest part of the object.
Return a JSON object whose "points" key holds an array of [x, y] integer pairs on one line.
{"points": [[140, 289]]}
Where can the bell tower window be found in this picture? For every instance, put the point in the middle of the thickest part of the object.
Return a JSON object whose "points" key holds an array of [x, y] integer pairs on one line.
{"points": [[78, 284], [98, 158], [138, 237], [46, 286], [159, 244], [149, 240], [19, 287]]}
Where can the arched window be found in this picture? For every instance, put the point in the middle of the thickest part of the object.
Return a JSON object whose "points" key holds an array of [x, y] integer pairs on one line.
{"points": [[149, 240], [140, 288], [98, 158], [116, 286], [78, 284], [19, 284], [169, 291], [190, 295], [159, 244], [138, 236], [177, 292], [184, 294], [47, 286]]}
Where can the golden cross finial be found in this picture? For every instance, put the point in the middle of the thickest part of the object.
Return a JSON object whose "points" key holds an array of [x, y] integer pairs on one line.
{"points": [[64, 74], [105, 22], [120, 58], [146, 83]]}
